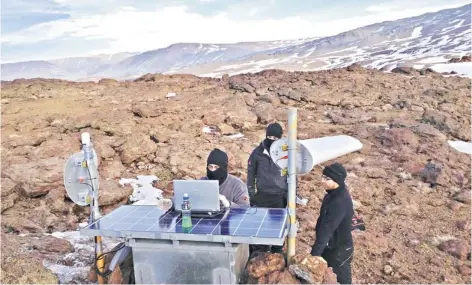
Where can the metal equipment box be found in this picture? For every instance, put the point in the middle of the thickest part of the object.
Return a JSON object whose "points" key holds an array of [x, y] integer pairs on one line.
{"points": [[187, 262]]}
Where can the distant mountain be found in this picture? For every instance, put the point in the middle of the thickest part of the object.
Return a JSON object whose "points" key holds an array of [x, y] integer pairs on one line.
{"points": [[71, 68], [178, 56], [409, 41], [429, 38]]}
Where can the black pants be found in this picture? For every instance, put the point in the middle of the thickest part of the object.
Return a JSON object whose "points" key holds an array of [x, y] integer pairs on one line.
{"points": [[264, 200], [340, 260]]}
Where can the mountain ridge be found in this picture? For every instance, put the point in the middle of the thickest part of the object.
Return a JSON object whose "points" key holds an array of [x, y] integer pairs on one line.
{"points": [[443, 33]]}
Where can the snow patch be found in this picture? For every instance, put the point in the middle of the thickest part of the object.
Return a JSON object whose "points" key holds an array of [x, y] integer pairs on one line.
{"points": [[143, 191], [208, 129], [436, 59], [416, 32], [235, 136], [462, 68], [74, 267], [458, 25], [212, 74]]}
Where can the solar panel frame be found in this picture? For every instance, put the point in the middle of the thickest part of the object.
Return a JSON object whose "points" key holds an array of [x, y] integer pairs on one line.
{"points": [[265, 225]]}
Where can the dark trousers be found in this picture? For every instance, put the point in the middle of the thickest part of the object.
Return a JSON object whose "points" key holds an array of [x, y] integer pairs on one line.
{"points": [[340, 260], [264, 200]]}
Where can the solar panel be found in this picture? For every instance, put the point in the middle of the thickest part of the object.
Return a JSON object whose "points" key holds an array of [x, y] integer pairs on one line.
{"points": [[250, 225]]}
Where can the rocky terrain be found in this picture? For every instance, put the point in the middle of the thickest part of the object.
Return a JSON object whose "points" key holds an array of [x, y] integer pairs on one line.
{"points": [[414, 234]]}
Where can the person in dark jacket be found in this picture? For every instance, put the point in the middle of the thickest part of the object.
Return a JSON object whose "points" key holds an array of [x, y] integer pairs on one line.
{"points": [[333, 228], [266, 186]]}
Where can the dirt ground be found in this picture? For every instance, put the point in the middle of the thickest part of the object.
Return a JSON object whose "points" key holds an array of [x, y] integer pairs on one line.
{"points": [[414, 234]]}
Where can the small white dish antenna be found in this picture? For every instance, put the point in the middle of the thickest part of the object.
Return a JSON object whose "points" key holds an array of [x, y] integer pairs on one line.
{"points": [[77, 176]]}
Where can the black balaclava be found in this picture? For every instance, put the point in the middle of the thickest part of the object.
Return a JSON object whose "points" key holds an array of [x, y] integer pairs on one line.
{"points": [[337, 173], [275, 130], [219, 158]]}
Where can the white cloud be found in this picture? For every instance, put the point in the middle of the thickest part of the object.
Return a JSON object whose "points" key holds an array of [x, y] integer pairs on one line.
{"points": [[128, 29], [408, 7], [138, 30], [253, 11]]}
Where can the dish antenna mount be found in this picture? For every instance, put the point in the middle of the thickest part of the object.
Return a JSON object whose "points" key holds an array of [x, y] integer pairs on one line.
{"points": [[81, 182]]}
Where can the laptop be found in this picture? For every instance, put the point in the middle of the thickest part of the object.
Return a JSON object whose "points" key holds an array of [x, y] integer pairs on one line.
{"points": [[204, 195]]}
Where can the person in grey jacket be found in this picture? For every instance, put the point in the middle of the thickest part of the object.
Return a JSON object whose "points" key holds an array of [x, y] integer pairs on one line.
{"points": [[266, 185], [233, 191]]}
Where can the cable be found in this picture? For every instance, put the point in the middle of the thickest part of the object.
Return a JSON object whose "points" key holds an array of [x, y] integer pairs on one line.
{"points": [[108, 271], [252, 207], [91, 186]]}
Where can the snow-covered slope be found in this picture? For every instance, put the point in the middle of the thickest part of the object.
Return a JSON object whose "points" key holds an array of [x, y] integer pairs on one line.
{"points": [[178, 56], [417, 41], [437, 35], [129, 65]]}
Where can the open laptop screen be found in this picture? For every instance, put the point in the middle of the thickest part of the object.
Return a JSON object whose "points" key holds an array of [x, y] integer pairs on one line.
{"points": [[203, 194]]}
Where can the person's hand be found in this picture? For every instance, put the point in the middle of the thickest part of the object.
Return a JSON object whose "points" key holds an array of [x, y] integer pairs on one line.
{"points": [[224, 201]]}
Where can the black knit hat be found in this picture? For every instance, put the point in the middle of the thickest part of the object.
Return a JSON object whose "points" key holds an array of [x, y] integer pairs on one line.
{"points": [[336, 172], [218, 157], [275, 130]]}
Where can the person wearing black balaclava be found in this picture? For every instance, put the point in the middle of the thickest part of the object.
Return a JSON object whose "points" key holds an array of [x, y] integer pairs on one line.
{"points": [[333, 228], [233, 191], [267, 187]]}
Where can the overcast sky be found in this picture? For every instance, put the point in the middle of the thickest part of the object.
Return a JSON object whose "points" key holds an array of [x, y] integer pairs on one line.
{"points": [[46, 29]]}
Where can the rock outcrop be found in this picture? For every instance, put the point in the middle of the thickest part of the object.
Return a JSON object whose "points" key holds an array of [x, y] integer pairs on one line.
{"points": [[402, 120]]}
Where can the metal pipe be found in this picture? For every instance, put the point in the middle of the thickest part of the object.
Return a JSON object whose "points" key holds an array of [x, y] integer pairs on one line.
{"points": [[96, 214], [100, 263], [292, 182], [94, 208]]}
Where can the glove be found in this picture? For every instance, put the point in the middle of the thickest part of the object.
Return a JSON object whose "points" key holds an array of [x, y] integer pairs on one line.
{"points": [[224, 201]]}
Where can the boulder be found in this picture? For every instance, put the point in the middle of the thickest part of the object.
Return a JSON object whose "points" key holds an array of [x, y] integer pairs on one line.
{"points": [[309, 268], [41, 176], [47, 245], [112, 169], [278, 277], [56, 200], [103, 148], [264, 112], [264, 264], [464, 197], [457, 248], [111, 193], [135, 147]]}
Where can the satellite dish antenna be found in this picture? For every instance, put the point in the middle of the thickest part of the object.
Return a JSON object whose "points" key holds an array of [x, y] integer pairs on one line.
{"points": [[77, 180], [461, 146], [313, 151], [77, 176], [81, 182]]}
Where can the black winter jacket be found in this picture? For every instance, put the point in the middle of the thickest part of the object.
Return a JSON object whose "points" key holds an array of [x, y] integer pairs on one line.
{"points": [[334, 225], [264, 174]]}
